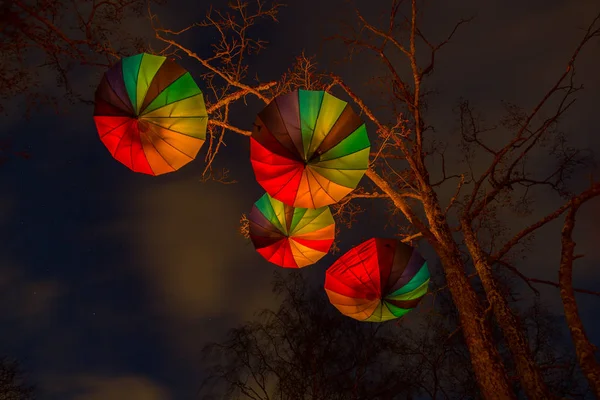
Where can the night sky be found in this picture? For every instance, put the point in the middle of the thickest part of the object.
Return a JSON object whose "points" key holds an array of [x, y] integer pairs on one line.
{"points": [[111, 282]]}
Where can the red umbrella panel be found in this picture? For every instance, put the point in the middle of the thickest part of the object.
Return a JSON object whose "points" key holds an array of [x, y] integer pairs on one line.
{"points": [[290, 237], [309, 149], [150, 114], [378, 280]]}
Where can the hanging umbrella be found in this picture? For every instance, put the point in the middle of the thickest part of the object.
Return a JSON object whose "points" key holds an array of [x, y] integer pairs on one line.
{"points": [[378, 280], [150, 114], [309, 149], [290, 237]]}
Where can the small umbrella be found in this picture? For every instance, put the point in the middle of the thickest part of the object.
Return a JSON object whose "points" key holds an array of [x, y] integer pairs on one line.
{"points": [[150, 114], [309, 149], [290, 237], [378, 280]]}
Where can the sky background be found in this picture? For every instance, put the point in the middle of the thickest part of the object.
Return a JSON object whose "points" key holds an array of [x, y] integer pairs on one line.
{"points": [[111, 282]]}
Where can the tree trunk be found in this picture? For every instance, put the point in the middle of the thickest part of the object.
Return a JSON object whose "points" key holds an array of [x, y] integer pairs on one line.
{"points": [[583, 348], [527, 370], [487, 364]]}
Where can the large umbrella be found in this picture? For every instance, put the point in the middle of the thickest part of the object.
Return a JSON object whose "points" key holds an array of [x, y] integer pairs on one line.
{"points": [[309, 149], [150, 114], [290, 237], [378, 280]]}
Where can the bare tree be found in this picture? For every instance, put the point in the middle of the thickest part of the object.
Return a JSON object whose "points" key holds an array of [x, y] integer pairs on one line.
{"points": [[305, 349], [48, 39], [584, 349], [12, 382]]}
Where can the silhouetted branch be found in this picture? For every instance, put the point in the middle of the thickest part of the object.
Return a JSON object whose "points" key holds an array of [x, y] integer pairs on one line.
{"points": [[584, 349]]}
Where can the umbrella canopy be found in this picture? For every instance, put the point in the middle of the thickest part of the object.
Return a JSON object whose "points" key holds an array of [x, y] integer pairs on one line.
{"points": [[290, 237], [309, 149], [150, 114], [378, 280]]}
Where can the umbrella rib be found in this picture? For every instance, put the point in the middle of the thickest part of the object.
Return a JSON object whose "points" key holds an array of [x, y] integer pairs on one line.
{"points": [[349, 268], [344, 283], [116, 127], [329, 131], [286, 129], [149, 120], [387, 305], [168, 129], [339, 169], [275, 246], [131, 151], [268, 229], [270, 205], [361, 262], [354, 302], [119, 144], [302, 236], [264, 149], [173, 102], [424, 283], [286, 183], [277, 231], [141, 101], [159, 153], [313, 130], [319, 183], [182, 116], [364, 265], [272, 164], [335, 158], [166, 87], [348, 286], [340, 138], [295, 245], [366, 307], [118, 97], [337, 183], [279, 245], [380, 312], [137, 82], [293, 229], [271, 178], [115, 93], [188, 156], [310, 221], [312, 200], [283, 223]]}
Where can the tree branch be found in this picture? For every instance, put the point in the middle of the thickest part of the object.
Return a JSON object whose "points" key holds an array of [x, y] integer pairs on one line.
{"points": [[584, 349]]}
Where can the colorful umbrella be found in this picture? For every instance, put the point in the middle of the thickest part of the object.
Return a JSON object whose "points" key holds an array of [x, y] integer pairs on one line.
{"points": [[150, 114], [309, 149], [290, 237], [378, 280]]}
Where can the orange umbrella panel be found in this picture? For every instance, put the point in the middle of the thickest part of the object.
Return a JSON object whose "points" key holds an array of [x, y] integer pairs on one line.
{"points": [[290, 237], [150, 114]]}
